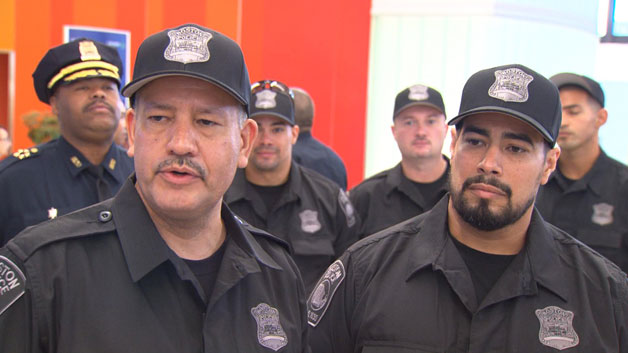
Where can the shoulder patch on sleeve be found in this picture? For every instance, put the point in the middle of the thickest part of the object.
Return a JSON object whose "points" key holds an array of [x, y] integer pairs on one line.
{"points": [[12, 283], [324, 291], [347, 208]]}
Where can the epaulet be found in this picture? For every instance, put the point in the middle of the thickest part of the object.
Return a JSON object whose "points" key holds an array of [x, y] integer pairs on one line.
{"points": [[95, 219], [24, 153], [264, 234]]}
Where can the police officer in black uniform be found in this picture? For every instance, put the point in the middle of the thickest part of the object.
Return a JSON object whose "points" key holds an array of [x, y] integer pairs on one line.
{"points": [[587, 195], [164, 266], [297, 204], [309, 151], [80, 80], [415, 184], [482, 271]]}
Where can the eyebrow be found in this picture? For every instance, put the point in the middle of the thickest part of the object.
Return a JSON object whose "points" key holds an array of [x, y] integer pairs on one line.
{"points": [[169, 107], [509, 135], [571, 106]]}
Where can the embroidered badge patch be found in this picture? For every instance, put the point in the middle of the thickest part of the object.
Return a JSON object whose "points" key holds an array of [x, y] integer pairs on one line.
{"points": [[602, 214], [418, 93], [188, 45], [88, 51], [324, 291], [557, 328], [265, 99], [511, 85], [347, 208], [270, 334], [309, 221], [12, 283]]}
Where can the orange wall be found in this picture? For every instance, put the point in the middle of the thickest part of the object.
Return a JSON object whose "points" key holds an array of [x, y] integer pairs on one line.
{"points": [[321, 46]]}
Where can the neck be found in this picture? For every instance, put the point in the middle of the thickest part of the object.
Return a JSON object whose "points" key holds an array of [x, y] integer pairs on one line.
{"points": [[574, 164], [505, 241], [192, 240], [275, 177], [424, 170], [95, 152]]}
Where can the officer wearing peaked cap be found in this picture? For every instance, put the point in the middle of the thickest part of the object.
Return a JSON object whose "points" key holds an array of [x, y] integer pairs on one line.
{"points": [[164, 266], [312, 213], [80, 81], [416, 183], [587, 195], [482, 271]]}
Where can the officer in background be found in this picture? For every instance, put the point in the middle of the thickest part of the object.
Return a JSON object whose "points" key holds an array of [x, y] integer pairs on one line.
{"points": [[587, 195], [164, 266], [481, 271], [310, 152], [297, 204], [415, 184], [5, 143], [80, 80]]}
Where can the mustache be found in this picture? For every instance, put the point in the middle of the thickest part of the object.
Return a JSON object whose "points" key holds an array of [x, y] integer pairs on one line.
{"points": [[181, 161], [483, 179], [264, 148], [99, 101]]}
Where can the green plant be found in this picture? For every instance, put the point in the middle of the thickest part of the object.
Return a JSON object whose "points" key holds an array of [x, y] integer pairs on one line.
{"points": [[42, 126]]}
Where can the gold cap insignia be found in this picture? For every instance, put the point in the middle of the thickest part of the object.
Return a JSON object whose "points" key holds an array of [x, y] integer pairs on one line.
{"points": [[88, 51]]}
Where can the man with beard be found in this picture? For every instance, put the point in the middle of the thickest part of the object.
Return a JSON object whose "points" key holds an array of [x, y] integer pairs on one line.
{"points": [[587, 195], [481, 271], [80, 80], [415, 184], [274, 193]]}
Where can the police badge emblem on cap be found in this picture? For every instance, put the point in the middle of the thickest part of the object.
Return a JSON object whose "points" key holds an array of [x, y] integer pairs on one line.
{"points": [[265, 99], [270, 334], [511, 85], [556, 329], [188, 45], [418, 93]]}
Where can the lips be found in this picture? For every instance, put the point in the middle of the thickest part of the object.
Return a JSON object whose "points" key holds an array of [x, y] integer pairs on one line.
{"points": [[485, 190]]}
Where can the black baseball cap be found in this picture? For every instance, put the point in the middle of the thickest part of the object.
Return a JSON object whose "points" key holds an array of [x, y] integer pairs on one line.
{"points": [[272, 98], [194, 51], [418, 95], [76, 60], [517, 91], [585, 83]]}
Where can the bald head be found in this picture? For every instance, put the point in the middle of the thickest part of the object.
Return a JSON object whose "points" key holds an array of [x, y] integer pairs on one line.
{"points": [[303, 109]]}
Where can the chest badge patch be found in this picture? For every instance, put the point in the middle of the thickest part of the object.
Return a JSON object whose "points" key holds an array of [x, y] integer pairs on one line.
{"points": [[309, 221], [511, 85], [12, 283], [320, 298], [602, 214], [270, 334], [557, 328]]}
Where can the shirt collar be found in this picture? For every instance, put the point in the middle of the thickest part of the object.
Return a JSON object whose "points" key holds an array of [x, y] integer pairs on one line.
{"points": [[539, 261], [77, 163], [592, 179], [397, 180], [145, 249], [240, 188]]}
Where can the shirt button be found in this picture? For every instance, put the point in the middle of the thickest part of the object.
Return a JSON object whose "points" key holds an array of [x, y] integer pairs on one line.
{"points": [[104, 216]]}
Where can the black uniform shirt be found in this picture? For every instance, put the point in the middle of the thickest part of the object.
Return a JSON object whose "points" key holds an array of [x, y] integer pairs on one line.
{"points": [[593, 209], [407, 289], [50, 180], [311, 153], [103, 282], [389, 197], [313, 215]]}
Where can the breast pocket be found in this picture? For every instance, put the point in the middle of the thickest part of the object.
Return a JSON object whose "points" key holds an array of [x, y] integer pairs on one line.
{"points": [[600, 238]]}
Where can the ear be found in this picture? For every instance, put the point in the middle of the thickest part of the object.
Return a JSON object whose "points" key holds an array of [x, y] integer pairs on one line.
{"points": [[53, 104], [130, 126], [454, 139], [551, 159], [600, 117], [295, 134], [248, 133]]}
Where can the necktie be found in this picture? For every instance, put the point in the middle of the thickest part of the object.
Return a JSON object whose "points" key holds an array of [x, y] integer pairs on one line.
{"points": [[101, 185]]}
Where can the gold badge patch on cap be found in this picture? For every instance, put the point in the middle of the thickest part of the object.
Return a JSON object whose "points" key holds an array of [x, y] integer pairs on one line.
{"points": [[88, 51], [188, 45]]}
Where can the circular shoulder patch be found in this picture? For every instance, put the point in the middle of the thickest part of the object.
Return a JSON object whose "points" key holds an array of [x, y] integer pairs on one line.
{"points": [[324, 291], [12, 283]]}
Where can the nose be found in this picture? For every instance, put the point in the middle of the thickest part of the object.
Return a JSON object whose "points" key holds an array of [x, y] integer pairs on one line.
{"points": [[183, 140], [263, 137], [491, 161]]}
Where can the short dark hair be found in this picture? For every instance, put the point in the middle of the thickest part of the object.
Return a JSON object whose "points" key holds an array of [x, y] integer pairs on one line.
{"points": [[303, 108]]}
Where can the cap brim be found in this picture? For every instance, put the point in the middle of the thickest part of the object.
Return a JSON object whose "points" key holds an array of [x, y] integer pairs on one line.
{"points": [[414, 104], [515, 114], [280, 116], [134, 86]]}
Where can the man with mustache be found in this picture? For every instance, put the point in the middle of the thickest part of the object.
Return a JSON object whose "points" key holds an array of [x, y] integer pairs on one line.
{"points": [[164, 266], [415, 184], [312, 213], [587, 195], [80, 80], [481, 271]]}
